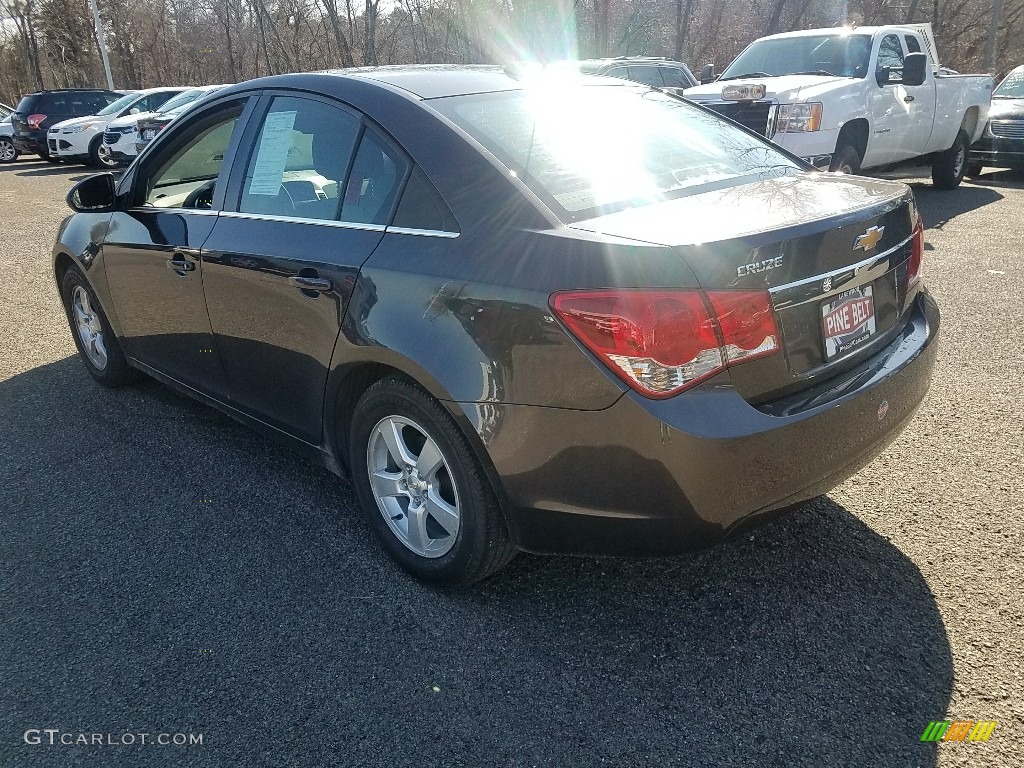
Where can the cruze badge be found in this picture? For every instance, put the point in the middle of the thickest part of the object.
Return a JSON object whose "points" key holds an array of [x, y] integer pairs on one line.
{"points": [[869, 239], [826, 284], [758, 266]]}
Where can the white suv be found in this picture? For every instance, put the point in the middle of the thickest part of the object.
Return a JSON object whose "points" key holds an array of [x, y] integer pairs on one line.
{"points": [[80, 138], [120, 135]]}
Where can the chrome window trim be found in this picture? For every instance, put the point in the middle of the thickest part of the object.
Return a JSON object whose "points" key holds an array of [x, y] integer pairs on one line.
{"points": [[422, 232], [157, 209], [301, 220]]}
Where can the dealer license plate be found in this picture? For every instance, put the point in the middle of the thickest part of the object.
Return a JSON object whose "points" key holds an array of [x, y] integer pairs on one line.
{"points": [[847, 320], [148, 134]]}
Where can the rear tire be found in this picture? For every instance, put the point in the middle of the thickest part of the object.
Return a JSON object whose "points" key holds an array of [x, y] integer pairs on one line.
{"points": [[98, 347], [443, 526], [845, 160], [50, 158], [8, 152], [949, 166]]}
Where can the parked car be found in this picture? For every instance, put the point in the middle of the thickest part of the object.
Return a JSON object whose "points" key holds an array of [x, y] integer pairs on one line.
{"points": [[8, 152], [851, 99], [5, 111], [81, 138], [120, 135], [563, 318], [666, 74], [36, 112], [1002, 143], [148, 126]]}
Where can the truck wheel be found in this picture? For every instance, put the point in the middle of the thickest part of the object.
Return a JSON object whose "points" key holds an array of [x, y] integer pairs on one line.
{"points": [[974, 169], [845, 160], [949, 166]]}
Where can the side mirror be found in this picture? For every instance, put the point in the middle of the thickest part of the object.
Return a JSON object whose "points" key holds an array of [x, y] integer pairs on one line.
{"points": [[915, 68], [133, 111], [94, 194], [707, 74]]}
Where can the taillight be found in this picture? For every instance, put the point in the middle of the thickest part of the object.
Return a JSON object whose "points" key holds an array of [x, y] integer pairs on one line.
{"points": [[662, 342], [35, 121], [916, 255]]}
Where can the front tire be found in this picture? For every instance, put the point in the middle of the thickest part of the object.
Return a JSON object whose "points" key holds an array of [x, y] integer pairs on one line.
{"points": [[8, 152], [422, 487], [974, 169], [845, 160], [98, 347], [949, 166]]}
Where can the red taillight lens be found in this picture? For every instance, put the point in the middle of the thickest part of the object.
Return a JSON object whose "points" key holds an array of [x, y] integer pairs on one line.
{"points": [[35, 121], [662, 342], [747, 323], [916, 255]]}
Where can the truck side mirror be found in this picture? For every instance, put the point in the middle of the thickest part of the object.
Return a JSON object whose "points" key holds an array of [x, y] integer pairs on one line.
{"points": [[915, 68], [707, 74]]}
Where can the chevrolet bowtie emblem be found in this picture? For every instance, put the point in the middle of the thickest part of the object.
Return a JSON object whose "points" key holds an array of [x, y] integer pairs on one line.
{"points": [[869, 239]]}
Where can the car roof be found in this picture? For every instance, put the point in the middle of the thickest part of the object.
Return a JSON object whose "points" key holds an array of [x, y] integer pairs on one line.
{"points": [[72, 90], [420, 82], [895, 29], [434, 81]]}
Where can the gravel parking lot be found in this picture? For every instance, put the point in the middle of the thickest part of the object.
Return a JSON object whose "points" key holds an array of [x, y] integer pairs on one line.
{"points": [[165, 570]]}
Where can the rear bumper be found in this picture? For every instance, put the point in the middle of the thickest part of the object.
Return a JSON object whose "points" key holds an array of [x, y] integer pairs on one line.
{"points": [[31, 143], [647, 477]]}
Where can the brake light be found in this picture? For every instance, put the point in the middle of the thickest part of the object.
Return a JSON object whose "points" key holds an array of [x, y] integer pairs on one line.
{"points": [[35, 122], [663, 342], [916, 255]]}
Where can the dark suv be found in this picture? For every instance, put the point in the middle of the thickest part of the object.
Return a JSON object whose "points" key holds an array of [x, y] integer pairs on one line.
{"points": [[36, 112], [666, 74]]}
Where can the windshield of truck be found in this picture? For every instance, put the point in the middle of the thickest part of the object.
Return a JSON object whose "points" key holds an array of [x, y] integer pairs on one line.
{"points": [[117, 106], [588, 150], [842, 55], [1012, 87]]}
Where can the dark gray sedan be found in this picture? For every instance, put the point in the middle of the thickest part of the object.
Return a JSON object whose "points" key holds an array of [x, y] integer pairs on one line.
{"points": [[564, 315]]}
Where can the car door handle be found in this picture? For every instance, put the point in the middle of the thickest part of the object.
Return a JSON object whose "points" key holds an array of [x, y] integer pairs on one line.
{"points": [[180, 264], [908, 98], [310, 283]]}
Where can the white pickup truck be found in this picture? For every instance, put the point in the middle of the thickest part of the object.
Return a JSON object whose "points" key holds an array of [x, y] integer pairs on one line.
{"points": [[853, 98]]}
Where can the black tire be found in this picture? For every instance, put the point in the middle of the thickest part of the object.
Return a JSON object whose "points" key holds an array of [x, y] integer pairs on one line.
{"points": [[115, 372], [974, 169], [8, 152], [94, 152], [50, 158], [846, 160], [481, 545], [949, 166]]}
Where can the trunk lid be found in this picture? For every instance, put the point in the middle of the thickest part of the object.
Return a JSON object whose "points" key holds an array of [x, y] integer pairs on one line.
{"points": [[830, 250]]}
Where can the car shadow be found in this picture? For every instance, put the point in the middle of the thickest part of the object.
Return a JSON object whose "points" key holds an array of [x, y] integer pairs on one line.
{"points": [[167, 565], [939, 207], [997, 178]]}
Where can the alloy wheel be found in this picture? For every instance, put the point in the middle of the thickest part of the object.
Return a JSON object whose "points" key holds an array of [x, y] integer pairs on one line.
{"points": [[89, 328], [7, 151], [412, 483]]}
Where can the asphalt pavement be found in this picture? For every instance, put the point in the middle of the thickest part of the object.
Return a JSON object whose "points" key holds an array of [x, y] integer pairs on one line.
{"points": [[165, 571]]}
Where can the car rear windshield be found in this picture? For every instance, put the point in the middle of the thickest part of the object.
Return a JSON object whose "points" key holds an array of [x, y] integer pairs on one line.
{"points": [[117, 106], [181, 99], [589, 150], [843, 55], [78, 103]]}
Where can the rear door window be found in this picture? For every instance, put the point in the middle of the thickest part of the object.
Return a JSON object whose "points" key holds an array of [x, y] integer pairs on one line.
{"points": [[374, 181], [674, 77], [423, 208], [646, 75]]}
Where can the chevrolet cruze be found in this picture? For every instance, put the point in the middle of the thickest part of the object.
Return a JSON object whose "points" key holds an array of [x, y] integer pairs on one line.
{"points": [[566, 315]]}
